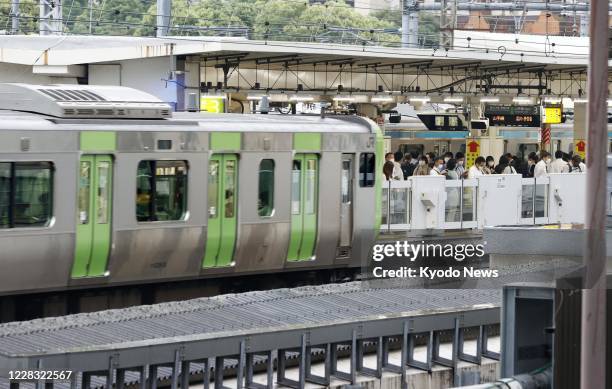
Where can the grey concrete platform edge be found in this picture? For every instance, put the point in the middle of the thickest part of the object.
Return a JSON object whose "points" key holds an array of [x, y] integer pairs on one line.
{"points": [[242, 325]]}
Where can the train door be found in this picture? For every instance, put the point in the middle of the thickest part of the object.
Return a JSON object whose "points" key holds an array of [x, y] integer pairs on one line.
{"points": [[93, 232], [346, 201], [527, 148], [304, 196], [222, 210]]}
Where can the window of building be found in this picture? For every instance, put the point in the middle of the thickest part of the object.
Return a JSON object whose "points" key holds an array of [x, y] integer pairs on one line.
{"points": [[161, 190], [265, 202], [367, 169], [26, 191]]}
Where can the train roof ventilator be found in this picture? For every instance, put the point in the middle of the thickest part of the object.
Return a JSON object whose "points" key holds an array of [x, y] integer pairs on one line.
{"points": [[83, 101]]}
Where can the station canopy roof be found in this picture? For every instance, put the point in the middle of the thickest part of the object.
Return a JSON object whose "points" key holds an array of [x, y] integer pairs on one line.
{"points": [[78, 50]]}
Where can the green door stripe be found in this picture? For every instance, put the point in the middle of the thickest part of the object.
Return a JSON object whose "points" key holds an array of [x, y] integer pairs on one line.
{"points": [[306, 141], [225, 141], [98, 141]]}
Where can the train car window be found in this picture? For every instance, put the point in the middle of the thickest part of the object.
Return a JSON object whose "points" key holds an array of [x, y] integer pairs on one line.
{"points": [[161, 192], [84, 180], [26, 190], [367, 169], [453, 122], [5, 194], [213, 188], [265, 203], [439, 121], [164, 144], [103, 198], [230, 190], [296, 187], [310, 186]]}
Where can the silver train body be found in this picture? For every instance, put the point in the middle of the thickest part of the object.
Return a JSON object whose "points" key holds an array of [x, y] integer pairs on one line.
{"points": [[37, 259]]}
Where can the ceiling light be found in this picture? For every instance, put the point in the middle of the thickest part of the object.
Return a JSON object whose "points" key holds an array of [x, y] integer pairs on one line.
{"points": [[344, 98], [522, 100], [420, 99], [489, 99], [301, 98], [382, 99], [453, 99], [252, 97]]}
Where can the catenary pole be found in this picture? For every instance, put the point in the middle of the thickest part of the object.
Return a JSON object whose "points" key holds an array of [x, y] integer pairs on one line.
{"points": [[593, 339]]}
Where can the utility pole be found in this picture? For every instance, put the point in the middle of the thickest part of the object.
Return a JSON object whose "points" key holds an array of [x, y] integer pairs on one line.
{"points": [[50, 17], [164, 8], [448, 22], [593, 326], [410, 24], [14, 17]]}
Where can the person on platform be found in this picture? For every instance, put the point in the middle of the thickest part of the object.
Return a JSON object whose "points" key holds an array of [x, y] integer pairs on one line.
{"points": [[532, 159], [397, 169], [577, 165], [559, 165], [477, 169], [460, 158], [489, 167], [422, 168], [438, 168], [504, 166], [541, 167], [388, 171], [409, 164]]}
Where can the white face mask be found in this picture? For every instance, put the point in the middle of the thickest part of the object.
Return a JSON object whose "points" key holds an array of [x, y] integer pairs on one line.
{"points": [[490, 163], [440, 166], [460, 163], [421, 163], [446, 159]]}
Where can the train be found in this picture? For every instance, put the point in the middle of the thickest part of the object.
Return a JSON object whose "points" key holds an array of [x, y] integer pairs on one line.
{"points": [[105, 186], [411, 135]]}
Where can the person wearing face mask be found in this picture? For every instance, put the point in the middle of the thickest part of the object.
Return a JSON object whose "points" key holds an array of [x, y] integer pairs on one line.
{"points": [[422, 168], [447, 156], [438, 168], [460, 169], [477, 169], [559, 165], [409, 164], [532, 159], [489, 167], [577, 165], [504, 166], [541, 167], [397, 168]]}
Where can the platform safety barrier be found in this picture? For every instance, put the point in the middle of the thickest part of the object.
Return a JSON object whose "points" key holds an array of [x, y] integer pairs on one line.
{"points": [[432, 202]]}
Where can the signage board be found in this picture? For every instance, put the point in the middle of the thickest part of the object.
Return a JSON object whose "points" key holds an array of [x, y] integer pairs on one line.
{"points": [[513, 115]]}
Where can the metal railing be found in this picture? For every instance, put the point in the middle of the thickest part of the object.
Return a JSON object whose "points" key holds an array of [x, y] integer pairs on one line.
{"points": [[424, 202]]}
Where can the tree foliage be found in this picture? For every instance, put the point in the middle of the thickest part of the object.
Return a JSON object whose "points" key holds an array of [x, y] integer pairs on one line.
{"points": [[293, 20]]}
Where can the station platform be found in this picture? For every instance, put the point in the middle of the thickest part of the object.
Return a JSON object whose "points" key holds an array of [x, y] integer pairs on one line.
{"points": [[241, 332]]}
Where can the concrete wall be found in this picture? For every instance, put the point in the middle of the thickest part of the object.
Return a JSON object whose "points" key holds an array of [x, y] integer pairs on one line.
{"points": [[149, 75], [19, 73]]}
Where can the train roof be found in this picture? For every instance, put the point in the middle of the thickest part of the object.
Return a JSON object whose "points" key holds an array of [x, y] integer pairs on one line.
{"points": [[191, 121]]}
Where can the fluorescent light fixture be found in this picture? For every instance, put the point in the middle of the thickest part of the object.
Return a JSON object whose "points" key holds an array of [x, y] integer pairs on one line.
{"points": [[301, 98], [453, 99], [254, 97], [344, 98], [489, 99], [552, 100], [381, 99], [609, 103], [522, 100], [420, 99], [209, 96]]}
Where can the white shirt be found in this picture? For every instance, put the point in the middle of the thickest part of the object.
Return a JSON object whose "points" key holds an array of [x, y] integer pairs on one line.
{"points": [[435, 172], [474, 172], [540, 169], [580, 169], [398, 174], [559, 166]]}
